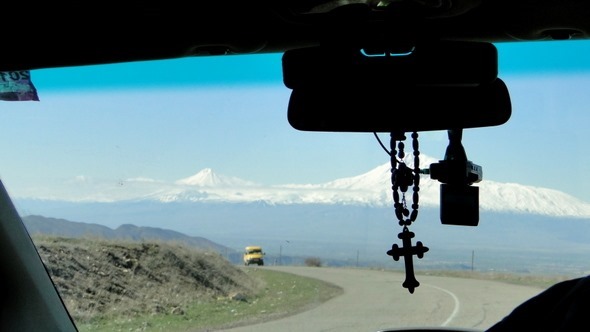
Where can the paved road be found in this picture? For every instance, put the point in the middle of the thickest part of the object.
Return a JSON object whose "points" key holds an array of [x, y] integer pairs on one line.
{"points": [[375, 301]]}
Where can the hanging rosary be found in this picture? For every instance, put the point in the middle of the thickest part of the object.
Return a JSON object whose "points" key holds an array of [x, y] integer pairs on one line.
{"points": [[402, 178]]}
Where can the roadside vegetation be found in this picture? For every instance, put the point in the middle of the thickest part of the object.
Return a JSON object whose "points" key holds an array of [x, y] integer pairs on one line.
{"points": [[153, 286], [541, 281], [313, 261]]}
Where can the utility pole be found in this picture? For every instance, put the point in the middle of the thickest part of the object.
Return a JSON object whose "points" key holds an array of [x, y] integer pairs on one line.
{"points": [[281, 252]]}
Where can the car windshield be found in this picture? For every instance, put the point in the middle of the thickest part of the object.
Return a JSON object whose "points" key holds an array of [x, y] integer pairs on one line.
{"points": [[143, 184]]}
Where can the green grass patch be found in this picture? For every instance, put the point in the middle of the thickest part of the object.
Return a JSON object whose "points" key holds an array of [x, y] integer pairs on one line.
{"points": [[281, 294]]}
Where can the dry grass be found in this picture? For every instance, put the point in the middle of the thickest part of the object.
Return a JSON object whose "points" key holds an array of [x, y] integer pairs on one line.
{"points": [[541, 281], [115, 278], [157, 286]]}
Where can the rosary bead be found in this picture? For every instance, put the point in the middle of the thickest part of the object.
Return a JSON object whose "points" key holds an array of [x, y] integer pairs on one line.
{"points": [[401, 179]]}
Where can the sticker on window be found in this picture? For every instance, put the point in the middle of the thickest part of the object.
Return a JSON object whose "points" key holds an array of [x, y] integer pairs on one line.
{"points": [[17, 86]]}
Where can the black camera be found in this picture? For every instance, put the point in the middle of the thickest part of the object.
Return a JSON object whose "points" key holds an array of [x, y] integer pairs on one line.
{"points": [[459, 201]]}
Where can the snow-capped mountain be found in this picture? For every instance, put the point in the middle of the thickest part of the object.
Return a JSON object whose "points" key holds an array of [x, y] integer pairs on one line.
{"points": [[372, 188], [207, 178]]}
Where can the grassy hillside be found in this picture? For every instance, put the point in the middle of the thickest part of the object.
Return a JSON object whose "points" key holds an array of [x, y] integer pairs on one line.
{"points": [[111, 285]]}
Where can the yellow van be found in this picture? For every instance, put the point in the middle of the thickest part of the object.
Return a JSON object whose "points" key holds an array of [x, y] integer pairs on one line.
{"points": [[253, 255]]}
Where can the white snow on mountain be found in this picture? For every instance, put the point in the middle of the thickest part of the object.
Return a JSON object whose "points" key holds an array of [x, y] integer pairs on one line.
{"points": [[208, 178], [371, 189]]}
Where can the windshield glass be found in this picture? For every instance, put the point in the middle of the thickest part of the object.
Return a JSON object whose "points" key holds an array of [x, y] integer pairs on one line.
{"points": [[142, 185]]}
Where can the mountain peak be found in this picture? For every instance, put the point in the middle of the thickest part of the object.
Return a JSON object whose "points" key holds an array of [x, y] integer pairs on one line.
{"points": [[208, 178]]}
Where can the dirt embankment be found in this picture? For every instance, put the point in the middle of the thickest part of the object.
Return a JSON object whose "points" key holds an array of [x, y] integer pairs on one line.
{"points": [[116, 278]]}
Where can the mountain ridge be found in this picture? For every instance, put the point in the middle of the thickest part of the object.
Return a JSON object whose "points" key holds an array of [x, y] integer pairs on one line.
{"points": [[40, 225], [372, 188]]}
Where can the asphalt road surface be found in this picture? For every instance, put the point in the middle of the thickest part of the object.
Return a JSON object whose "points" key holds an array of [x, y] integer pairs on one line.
{"points": [[376, 301]]}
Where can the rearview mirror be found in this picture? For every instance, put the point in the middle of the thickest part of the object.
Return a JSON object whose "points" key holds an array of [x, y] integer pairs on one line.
{"points": [[422, 91]]}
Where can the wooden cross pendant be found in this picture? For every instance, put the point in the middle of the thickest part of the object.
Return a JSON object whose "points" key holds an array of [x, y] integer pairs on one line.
{"points": [[407, 251]]}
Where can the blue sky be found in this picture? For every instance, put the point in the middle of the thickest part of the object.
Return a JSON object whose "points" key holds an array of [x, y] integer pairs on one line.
{"points": [[167, 120]]}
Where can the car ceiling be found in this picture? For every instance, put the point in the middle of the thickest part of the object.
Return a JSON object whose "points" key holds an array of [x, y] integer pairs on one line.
{"points": [[72, 33]]}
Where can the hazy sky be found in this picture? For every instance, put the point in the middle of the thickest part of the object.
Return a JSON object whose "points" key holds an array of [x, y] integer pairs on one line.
{"points": [[167, 120]]}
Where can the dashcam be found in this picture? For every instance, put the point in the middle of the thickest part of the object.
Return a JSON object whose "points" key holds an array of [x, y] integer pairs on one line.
{"points": [[459, 205]]}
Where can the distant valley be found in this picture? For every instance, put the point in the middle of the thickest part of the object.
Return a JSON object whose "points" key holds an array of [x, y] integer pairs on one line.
{"points": [[341, 235], [348, 221]]}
